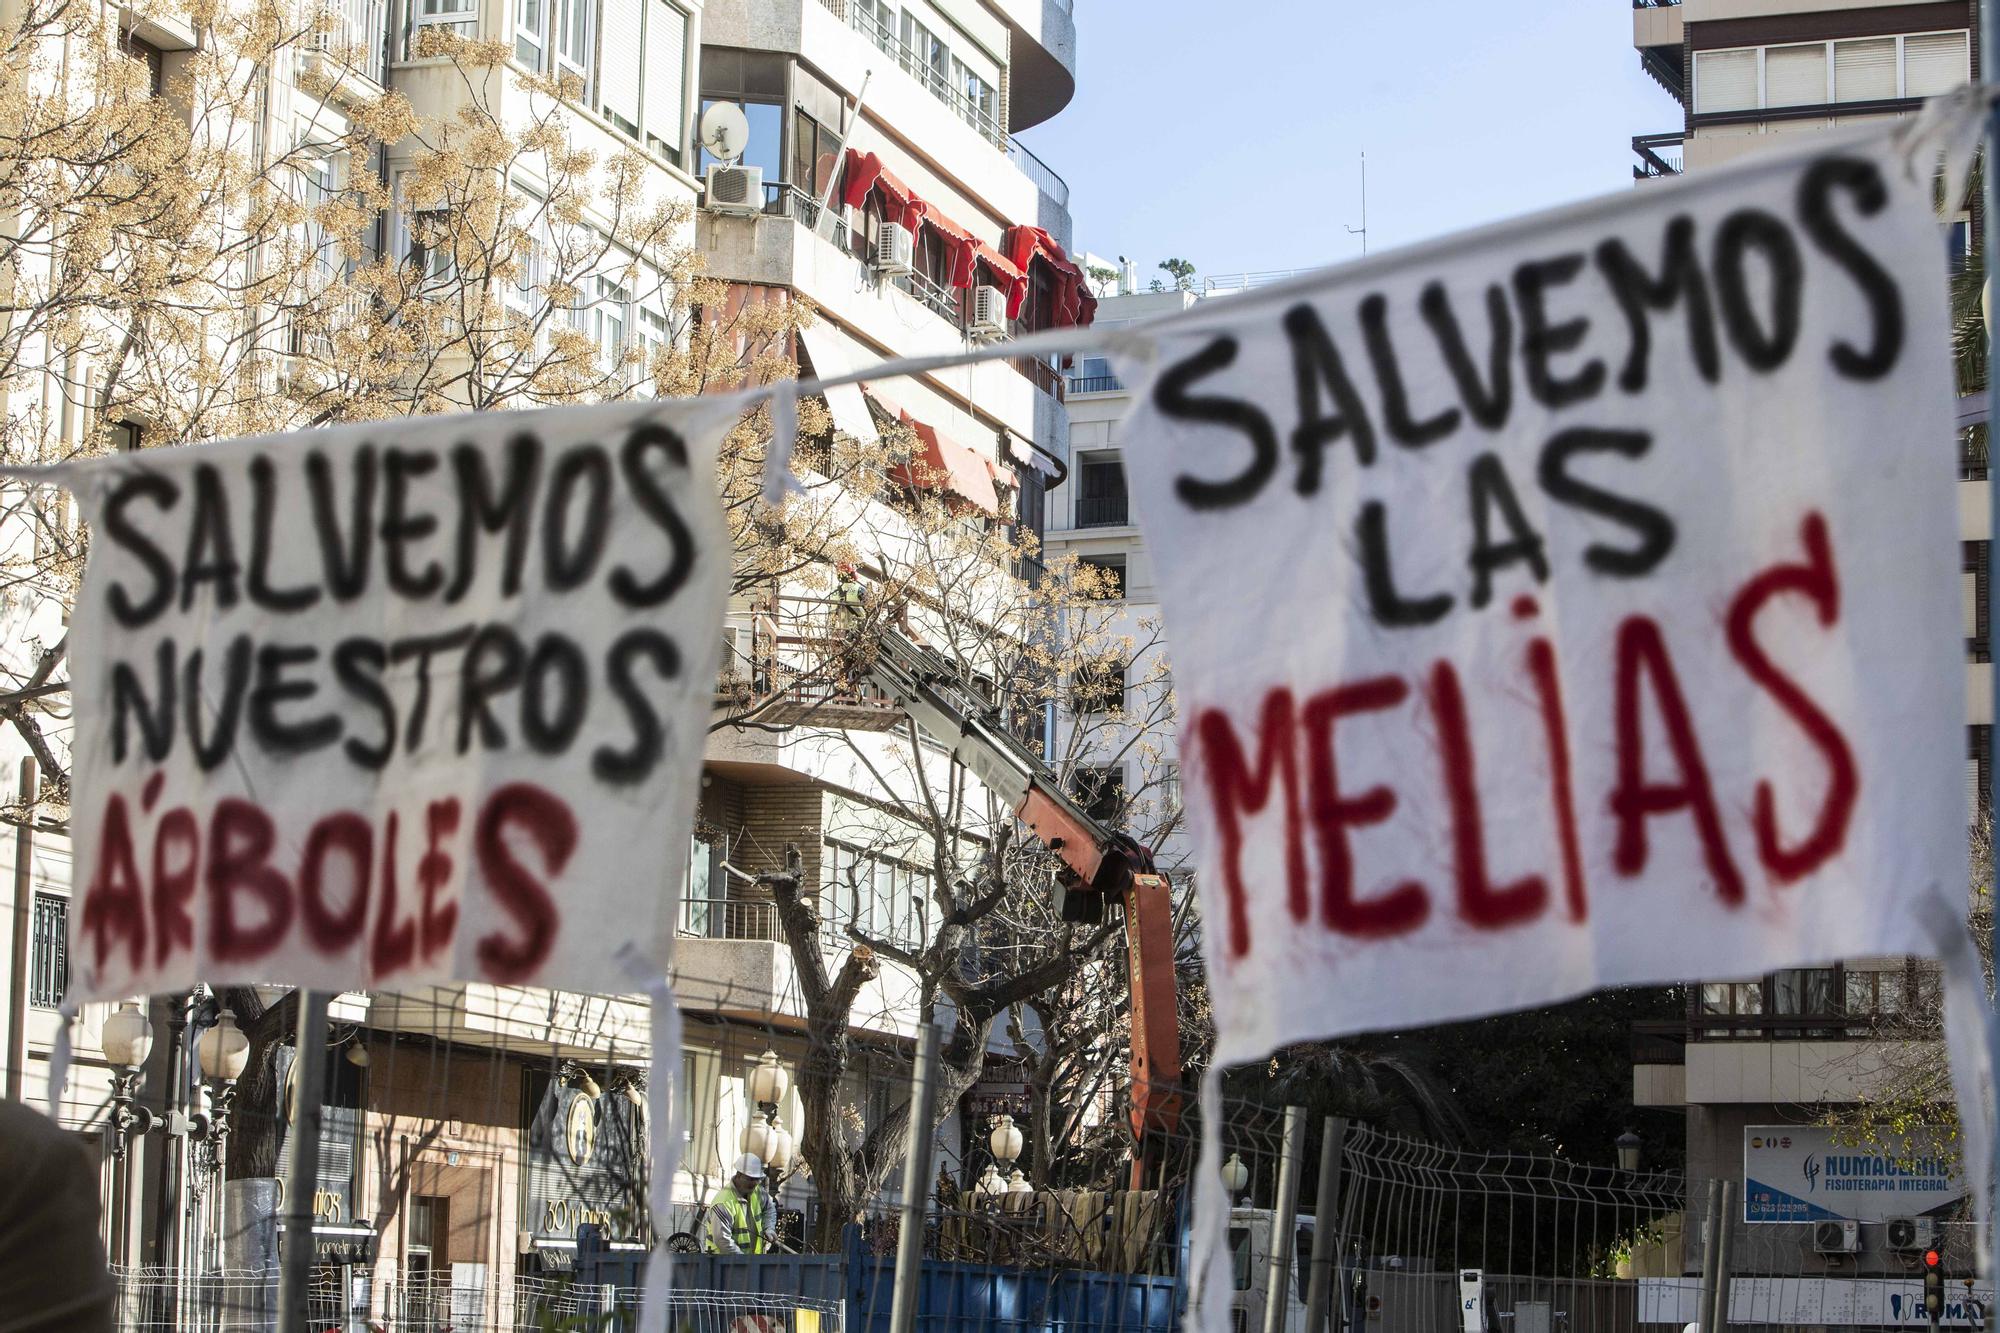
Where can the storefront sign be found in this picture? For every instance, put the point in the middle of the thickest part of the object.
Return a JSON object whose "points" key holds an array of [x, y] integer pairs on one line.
{"points": [[1825, 1302], [1802, 1174], [585, 1163]]}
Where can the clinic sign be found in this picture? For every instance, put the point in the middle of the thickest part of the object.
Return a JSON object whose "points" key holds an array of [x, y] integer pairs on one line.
{"points": [[1795, 1173]]}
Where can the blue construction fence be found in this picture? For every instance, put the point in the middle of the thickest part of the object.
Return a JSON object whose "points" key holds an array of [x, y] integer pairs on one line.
{"points": [[952, 1297]]}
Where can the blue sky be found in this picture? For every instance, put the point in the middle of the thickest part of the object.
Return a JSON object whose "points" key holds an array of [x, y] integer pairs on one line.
{"points": [[1236, 144]]}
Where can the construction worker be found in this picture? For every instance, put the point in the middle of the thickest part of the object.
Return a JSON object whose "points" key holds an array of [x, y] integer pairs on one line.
{"points": [[744, 1217], [848, 605]]}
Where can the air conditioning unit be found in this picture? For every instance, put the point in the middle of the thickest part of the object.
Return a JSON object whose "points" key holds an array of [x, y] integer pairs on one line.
{"points": [[1836, 1237], [989, 312], [894, 250], [734, 188], [1911, 1233]]}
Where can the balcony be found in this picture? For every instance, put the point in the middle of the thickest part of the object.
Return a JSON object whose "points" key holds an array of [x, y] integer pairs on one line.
{"points": [[1659, 155], [982, 115], [782, 199]]}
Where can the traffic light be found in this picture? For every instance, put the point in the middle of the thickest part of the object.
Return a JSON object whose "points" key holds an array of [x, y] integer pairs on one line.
{"points": [[1933, 1284]]}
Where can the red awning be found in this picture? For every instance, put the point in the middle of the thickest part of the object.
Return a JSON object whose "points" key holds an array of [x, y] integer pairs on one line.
{"points": [[945, 463], [1074, 303]]}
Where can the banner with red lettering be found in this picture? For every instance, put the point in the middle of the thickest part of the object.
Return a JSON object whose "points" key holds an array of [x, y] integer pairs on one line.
{"points": [[1570, 604], [405, 702]]}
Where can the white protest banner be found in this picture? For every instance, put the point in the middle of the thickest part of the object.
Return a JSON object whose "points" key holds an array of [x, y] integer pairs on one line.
{"points": [[1569, 604], [397, 703]]}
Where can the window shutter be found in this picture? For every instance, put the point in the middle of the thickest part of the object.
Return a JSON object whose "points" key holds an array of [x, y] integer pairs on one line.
{"points": [[1795, 75], [618, 64], [1934, 63], [666, 69], [1725, 81], [1864, 71]]}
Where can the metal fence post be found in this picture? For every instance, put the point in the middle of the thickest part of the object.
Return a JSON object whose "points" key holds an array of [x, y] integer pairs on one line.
{"points": [[1284, 1221], [1989, 50], [302, 1172], [916, 1185], [1711, 1249], [1724, 1233], [1326, 1223]]}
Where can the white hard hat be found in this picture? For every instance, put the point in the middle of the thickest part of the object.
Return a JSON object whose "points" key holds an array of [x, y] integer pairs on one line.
{"points": [[749, 1164]]}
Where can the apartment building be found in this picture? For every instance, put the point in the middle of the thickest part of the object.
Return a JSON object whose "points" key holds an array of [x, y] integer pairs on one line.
{"points": [[881, 184], [1757, 1060]]}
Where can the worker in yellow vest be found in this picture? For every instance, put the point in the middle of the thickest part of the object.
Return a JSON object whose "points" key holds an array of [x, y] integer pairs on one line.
{"points": [[744, 1217]]}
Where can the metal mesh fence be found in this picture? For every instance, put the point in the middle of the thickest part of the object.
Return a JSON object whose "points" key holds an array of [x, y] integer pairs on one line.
{"points": [[486, 1157]]}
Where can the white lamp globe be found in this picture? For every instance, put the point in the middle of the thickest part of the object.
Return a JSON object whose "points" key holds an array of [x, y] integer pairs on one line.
{"points": [[127, 1036], [757, 1137], [1235, 1175], [768, 1082], [1005, 1141], [779, 1159], [223, 1050]]}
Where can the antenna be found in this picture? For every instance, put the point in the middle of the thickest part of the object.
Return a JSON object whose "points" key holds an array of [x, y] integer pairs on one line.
{"points": [[725, 131], [1362, 230]]}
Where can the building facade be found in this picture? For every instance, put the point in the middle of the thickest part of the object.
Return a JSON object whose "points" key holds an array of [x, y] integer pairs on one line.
{"points": [[473, 1129], [1757, 1061]]}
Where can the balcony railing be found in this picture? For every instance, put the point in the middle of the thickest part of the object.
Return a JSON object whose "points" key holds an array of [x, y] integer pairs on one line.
{"points": [[979, 117], [730, 919], [1094, 384], [1659, 155], [1103, 511], [1040, 172], [944, 302], [1654, 4], [783, 199]]}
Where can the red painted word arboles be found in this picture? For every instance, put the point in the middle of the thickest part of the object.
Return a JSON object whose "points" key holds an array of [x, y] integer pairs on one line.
{"points": [[382, 891]]}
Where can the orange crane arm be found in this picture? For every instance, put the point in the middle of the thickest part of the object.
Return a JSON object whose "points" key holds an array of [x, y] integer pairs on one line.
{"points": [[1099, 866]]}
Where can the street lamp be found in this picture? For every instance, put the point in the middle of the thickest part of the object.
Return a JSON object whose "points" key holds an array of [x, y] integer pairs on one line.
{"points": [[1629, 1145], [768, 1138], [1005, 1141], [223, 1052], [1235, 1176], [127, 1039]]}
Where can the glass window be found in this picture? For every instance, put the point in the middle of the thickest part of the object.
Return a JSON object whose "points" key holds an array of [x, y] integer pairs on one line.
{"points": [[1112, 568], [767, 135], [456, 16], [665, 106], [1101, 498], [48, 966], [1864, 70], [152, 57], [1795, 75], [1935, 62], [1725, 80], [697, 897], [608, 318], [1239, 1257], [573, 36], [531, 32]]}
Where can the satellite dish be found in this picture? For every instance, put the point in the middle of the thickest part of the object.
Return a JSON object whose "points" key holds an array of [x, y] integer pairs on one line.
{"points": [[725, 131]]}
